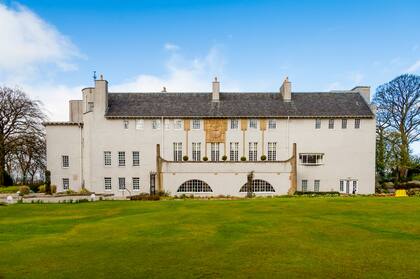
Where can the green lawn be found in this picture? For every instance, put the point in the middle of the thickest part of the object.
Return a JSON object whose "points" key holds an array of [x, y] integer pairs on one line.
{"points": [[259, 238]]}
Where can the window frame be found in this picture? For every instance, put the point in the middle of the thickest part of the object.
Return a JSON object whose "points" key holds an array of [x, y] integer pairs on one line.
{"points": [[272, 151], [177, 151], [135, 161], [317, 184], [344, 123], [178, 124], [196, 124], [357, 123], [319, 159], [234, 151], [215, 151], [121, 159], [234, 124], [126, 124], [196, 151], [331, 123], [156, 124], [139, 124], [63, 181], [65, 161], [318, 123], [106, 158], [136, 181], [121, 181], [304, 185], [251, 123], [253, 151], [272, 124], [106, 179]]}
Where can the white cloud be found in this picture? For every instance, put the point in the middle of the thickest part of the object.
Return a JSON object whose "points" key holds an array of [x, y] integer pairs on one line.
{"points": [[170, 46], [414, 68], [28, 42]]}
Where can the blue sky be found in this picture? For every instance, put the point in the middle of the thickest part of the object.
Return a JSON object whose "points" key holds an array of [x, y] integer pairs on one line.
{"points": [[249, 45]]}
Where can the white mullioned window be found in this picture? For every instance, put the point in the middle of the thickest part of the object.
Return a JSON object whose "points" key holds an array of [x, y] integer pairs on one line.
{"points": [[66, 183], [178, 124], [357, 123], [316, 185], [311, 158], [107, 183], [156, 124], [253, 123], [215, 151], [136, 158], [90, 106], [139, 124], [343, 123], [341, 185], [125, 124], [65, 163], [167, 124], [234, 151], [272, 124], [196, 151], [234, 124], [304, 185], [121, 183], [354, 187], [196, 124], [177, 151], [331, 124], [194, 186], [136, 184], [121, 158], [253, 152], [272, 151], [107, 158], [317, 123]]}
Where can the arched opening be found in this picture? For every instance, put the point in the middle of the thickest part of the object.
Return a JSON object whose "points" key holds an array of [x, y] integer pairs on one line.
{"points": [[258, 185], [194, 186]]}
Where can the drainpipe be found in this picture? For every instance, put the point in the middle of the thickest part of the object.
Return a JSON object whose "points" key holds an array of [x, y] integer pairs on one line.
{"points": [[82, 182]]}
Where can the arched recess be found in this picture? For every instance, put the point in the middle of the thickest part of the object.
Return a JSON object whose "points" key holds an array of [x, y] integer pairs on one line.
{"points": [[194, 186], [258, 185]]}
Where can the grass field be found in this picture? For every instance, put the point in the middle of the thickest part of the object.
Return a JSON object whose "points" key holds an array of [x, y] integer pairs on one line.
{"points": [[259, 238]]}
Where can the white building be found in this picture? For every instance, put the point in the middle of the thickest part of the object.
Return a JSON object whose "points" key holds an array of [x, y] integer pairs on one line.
{"points": [[126, 143]]}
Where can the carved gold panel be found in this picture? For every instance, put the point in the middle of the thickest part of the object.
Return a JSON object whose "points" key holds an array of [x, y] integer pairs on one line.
{"points": [[244, 124], [215, 130]]}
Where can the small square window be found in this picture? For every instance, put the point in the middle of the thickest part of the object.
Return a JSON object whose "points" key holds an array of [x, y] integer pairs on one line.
{"points": [[196, 124], [139, 124], [318, 123], [90, 106], [344, 123], [331, 124], [66, 183], [178, 124], [125, 124], [156, 124], [356, 123], [272, 124], [234, 124], [253, 123]]}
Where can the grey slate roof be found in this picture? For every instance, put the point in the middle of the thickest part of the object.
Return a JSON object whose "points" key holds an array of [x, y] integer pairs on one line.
{"points": [[328, 104]]}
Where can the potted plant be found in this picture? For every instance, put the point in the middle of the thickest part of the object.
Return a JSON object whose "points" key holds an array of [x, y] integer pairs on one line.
{"points": [[205, 158], [224, 157], [263, 158], [243, 158], [185, 158]]}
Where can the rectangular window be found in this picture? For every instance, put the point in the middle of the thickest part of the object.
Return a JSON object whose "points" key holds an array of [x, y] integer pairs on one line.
{"points": [[318, 123], [107, 158], [177, 151], [356, 123], [316, 185], [121, 158], [253, 123], [136, 184], [311, 159], [139, 124], [331, 124], [234, 151], [341, 185], [121, 183], [90, 106], [253, 153], [125, 124], [65, 161], [234, 124], [354, 187], [107, 183], [272, 154], [178, 124], [196, 151], [304, 185], [215, 153], [344, 123], [167, 124], [156, 124], [196, 124], [136, 158], [66, 184], [272, 124]]}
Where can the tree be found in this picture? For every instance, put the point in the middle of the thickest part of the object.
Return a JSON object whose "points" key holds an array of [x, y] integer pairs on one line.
{"points": [[399, 103], [19, 117]]}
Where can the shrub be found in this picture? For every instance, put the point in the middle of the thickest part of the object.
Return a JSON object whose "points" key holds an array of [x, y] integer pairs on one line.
{"points": [[84, 191], [47, 182], [9, 189], [263, 157], [24, 190], [224, 157], [145, 197], [162, 194], [53, 189], [185, 158], [414, 192], [416, 177], [41, 189], [205, 158], [243, 158]]}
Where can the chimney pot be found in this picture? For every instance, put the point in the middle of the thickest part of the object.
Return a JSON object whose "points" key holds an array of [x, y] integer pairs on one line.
{"points": [[216, 90], [286, 90], [164, 90]]}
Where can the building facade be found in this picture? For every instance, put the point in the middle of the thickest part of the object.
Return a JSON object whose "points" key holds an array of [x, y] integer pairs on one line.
{"points": [[215, 143]]}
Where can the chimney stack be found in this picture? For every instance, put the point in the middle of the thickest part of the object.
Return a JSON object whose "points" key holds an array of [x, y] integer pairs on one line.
{"points": [[364, 91], [286, 90], [216, 90]]}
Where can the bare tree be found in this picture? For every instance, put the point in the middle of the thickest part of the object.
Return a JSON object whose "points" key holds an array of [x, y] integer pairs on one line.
{"points": [[19, 117], [399, 101]]}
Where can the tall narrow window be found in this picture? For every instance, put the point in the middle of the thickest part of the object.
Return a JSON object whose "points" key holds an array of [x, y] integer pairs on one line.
{"points": [[331, 124], [156, 124], [125, 124], [234, 124], [121, 158], [107, 183], [139, 124], [316, 185], [65, 161], [66, 183], [121, 183], [341, 185], [107, 158], [253, 153], [253, 123], [272, 154], [304, 185], [354, 187], [215, 153], [178, 151], [317, 123], [90, 106], [344, 123], [136, 184], [167, 124], [196, 124], [234, 151], [196, 151], [136, 158], [356, 123], [272, 124], [178, 124]]}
